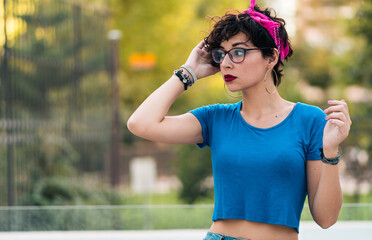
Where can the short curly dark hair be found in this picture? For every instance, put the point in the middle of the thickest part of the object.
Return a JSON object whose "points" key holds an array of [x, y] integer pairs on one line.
{"points": [[234, 22]]}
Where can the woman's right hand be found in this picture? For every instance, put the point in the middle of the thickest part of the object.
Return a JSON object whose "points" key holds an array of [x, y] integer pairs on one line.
{"points": [[200, 62]]}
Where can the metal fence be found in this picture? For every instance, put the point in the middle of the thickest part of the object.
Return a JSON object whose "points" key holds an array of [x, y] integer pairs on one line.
{"points": [[54, 97], [134, 217]]}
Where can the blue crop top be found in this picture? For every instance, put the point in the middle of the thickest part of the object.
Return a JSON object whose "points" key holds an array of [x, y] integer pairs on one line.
{"points": [[259, 174]]}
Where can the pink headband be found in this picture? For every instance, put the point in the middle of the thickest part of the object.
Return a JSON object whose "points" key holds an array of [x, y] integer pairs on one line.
{"points": [[271, 26]]}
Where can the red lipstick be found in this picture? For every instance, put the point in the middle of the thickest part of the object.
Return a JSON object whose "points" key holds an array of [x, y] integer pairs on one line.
{"points": [[229, 78]]}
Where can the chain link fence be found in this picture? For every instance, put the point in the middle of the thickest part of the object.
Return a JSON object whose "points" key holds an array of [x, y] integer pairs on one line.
{"points": [[55, 101]]}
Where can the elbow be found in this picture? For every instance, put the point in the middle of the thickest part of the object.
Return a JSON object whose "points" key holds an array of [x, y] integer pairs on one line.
{"points": [[326, 225], [327, 222], [139, 128], [327, 216], [134, 126]]}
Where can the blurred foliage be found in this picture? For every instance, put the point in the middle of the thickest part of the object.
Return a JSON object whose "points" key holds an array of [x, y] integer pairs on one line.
{"points": [[169, 29], [69, 191], [361, 70], [316, 73], [54, 95], [194, 166]]}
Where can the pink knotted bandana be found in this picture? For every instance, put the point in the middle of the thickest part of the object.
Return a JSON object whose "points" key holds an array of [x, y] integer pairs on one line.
{"points": [[271, 26]]}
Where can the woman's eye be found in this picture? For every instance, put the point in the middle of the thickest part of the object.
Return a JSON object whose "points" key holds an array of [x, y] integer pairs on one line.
{"points": [[239, 53]]}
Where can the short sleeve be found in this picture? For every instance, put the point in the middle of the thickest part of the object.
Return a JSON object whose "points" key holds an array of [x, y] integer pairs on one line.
{"points": [[205, 117], [316, 134]]}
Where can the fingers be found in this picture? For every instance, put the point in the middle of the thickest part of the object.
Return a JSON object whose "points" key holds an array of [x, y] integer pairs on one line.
{"points": [[337, 115], [339, 103], [200, 60], [342, 126], [201, 45], [338, 110]]}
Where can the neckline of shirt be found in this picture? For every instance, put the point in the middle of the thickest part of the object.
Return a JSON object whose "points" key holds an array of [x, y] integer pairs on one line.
{"points": [[269, 128]]}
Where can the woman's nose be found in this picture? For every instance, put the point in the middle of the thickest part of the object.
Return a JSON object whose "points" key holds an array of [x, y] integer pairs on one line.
{"points": [[226, 62]]}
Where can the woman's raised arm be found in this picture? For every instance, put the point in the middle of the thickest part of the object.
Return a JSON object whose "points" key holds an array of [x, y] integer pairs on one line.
{"points": [[149, 121]]}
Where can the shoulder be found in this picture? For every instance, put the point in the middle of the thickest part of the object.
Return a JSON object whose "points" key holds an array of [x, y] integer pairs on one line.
{"points": [[310, 111], [311, 117], [218, 108], [227, 107]]}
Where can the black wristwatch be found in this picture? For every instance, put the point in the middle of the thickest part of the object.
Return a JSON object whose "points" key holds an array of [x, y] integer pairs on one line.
{"points": [[332, 161]]}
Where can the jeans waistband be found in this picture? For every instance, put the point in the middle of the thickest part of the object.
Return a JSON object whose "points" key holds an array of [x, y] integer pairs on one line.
{"points": [[217, 236]]}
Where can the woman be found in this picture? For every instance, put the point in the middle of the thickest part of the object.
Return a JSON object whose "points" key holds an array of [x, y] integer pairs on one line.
{"points": [[267, 153]]}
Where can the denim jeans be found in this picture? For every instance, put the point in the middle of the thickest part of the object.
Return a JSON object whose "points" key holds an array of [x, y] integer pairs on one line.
{"points": [[216, 236]]}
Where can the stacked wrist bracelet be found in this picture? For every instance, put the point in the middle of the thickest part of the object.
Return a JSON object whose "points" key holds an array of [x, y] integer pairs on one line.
{"points": [[332, 161], [185, 79], [193, 75]]}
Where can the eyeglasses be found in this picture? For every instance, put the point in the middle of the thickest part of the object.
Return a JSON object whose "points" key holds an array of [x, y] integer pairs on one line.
{"points": [[237, 55]]}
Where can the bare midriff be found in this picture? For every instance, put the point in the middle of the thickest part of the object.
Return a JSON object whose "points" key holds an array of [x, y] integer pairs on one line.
{"points": [[253, 230]]}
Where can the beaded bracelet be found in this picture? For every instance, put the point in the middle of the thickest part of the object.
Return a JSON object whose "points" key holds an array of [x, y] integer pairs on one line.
{"points": [[185, 79], [332, 161]]}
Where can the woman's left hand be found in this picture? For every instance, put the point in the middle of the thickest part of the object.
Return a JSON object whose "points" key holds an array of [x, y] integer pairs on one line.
{"points": [[338, 124]]}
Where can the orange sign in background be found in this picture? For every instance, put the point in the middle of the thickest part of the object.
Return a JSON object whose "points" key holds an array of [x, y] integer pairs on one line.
{"points": [[142, 61]]}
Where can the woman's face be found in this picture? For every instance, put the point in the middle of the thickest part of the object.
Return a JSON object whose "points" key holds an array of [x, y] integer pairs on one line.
{"points": [[247, 74]]}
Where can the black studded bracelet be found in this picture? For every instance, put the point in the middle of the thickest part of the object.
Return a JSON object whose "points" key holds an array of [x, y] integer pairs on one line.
{"points": [[184, 78]]}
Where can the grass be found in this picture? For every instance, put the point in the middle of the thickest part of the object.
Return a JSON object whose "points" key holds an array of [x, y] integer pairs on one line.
{"points": [[171, 198], [361, 198], [157, 211]]}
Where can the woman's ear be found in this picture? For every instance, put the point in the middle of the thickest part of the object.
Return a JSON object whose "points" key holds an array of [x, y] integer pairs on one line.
{"points": [[273, 60]]}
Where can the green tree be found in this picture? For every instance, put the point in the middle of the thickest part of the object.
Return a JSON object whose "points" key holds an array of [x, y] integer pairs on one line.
{"points": [[359, 72], [53, 58], [361, 26], [194, 166]]}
